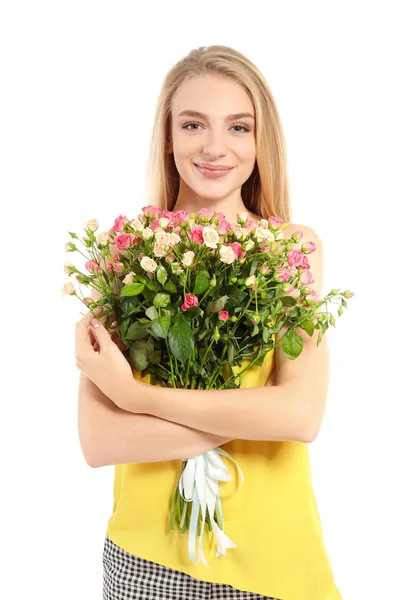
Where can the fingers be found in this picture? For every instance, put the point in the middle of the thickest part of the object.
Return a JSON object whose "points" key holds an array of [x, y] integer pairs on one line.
{"points": [[83, 334]]}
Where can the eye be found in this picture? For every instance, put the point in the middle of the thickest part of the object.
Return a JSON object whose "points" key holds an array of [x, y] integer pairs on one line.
{"points": [[243, 127]]}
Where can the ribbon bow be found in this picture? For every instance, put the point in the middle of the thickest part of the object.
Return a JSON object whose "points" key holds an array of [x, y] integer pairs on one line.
{"points": [[198, 484]]}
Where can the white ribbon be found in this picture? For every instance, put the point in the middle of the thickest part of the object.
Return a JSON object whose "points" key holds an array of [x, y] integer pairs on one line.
{"points": [[198, 484]]}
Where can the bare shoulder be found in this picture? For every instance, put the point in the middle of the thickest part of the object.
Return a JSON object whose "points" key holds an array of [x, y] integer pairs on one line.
{"points": [[290, 368]]}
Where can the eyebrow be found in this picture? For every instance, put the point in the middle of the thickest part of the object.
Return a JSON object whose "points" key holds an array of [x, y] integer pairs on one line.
{"points": [[195, 113]]}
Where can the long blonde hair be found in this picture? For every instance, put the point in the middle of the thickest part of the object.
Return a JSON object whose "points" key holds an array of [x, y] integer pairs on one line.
{"points": [[266, 192]]}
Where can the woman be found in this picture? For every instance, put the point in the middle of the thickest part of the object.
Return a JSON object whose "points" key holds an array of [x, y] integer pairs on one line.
{"points": [[215, 110]]}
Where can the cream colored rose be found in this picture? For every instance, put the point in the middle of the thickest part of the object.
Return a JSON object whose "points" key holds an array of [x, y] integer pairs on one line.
{"points": [[129, 278], [188, 258], [162, 238], [164, 222], [243, 216], [250, 281], [67, 246], [210, 237], [103, 238], [92, 224], [174, 239], [263, 223], [262, 234], [68, 288], [148, 264], [227, 255], [142, 217], [241, 233], [147, 233], [159, 250], [248, 245], [136, 224]]}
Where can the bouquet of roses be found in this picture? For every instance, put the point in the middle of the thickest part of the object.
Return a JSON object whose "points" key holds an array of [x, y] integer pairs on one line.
{"points": [[190, 296]]}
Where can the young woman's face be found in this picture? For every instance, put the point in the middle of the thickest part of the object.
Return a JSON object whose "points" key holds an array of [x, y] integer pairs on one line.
{"points": [[214, 137]]}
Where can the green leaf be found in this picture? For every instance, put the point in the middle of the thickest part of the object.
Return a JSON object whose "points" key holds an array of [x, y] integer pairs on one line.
{"points": [[138, 356], [161, 275], [236, 296], [161, 299], [160, 327], [132, 289], [292, 344], [137, 331], [218, 304], [201, 283], [152, 313], [181, 340], [152, 285], [308, 326], [288, 300], [170, 287]]}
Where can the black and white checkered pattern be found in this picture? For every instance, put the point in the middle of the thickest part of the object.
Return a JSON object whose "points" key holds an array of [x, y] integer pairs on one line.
{"points": [[126, 576]]}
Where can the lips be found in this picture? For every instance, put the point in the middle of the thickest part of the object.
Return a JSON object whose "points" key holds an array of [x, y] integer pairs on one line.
{"points": [[212, 167], [213, 173]]}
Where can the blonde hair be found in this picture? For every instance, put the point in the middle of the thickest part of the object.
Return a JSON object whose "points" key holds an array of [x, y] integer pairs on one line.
{"points": [[266, 192]]}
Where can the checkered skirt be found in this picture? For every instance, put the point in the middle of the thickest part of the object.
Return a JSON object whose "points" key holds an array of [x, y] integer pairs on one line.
{"points": [[126, 576]]}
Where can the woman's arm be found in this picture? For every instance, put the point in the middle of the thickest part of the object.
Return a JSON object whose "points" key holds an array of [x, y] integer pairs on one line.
{"points": [[111, 436]]}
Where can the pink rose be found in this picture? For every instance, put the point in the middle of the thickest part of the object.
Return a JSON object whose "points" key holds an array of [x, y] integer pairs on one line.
{"points": [[151, 211], [190, 301], [181, 216], [223, 315], [308, 247], [92, 266], [298, 259], [155, 223], [282, 274], [250, 224], [203, 214], [306, 277], [224, 226], [123, 241], [237, 249], [196, 234], [312, 297], [275, 223], [119, 223]]}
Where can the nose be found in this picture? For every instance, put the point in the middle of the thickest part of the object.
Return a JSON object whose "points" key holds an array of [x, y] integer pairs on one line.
{"points": [[214, 144]]}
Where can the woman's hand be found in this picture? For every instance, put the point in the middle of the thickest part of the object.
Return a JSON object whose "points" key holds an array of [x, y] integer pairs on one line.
{"points": [[107, 367]]}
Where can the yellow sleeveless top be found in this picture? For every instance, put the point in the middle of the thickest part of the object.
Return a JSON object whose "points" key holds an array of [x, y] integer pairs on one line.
{"points": [[273, 517]]}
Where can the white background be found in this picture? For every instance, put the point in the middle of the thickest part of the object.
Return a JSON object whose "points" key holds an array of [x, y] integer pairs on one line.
{"points": [[79, 83]]}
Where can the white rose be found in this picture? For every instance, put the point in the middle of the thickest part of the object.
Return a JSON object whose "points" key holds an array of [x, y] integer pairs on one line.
{"points": [[227, 255], [147, 233], [129, 277], [159, 250], [210, 237], [174, 239], [241, 233], [250, 281], [164, 222], [68, 288], [148, 264], [264, 223], [262, 234], [243, 216], [103, 238], [92, 224], [162, 238], [248, 245], [188, 258], [136, 224]]}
